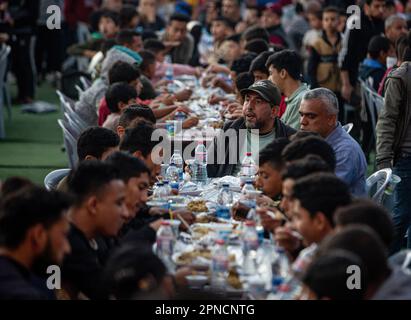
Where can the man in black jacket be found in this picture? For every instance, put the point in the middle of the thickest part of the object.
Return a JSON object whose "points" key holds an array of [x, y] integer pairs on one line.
{"points": [[33, 236], [257, 128]]}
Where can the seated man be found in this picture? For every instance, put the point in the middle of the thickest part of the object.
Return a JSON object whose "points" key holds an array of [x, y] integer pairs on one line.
{"points": [[94, 143], [179, 43], [260, 114], [118, 96], [33, 229], [315, 199], [99, 212], [319, 113]]}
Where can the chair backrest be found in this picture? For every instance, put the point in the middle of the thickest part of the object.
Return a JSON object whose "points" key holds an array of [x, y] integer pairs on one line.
{"points": [[53, 178], [70, 144], [378, 181], [86, 83], [72, 126], [348, 127], [373, 102]]}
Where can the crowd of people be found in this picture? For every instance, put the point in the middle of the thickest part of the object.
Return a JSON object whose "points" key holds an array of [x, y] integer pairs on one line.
{"points": [[288, 74]]}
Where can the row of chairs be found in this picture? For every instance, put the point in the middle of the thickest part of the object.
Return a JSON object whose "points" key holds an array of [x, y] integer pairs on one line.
{"points": [[4, 92]]}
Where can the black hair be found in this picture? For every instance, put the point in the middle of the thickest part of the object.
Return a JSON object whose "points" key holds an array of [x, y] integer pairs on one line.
{"points": [[365, 243], [321, 192], [119, 92], [271, 153], [138, 139], [149, 34], [227, 22], [95, 141], [134, 111], [288, 60], [181, 17], [110, 15], [127, 267], [89, 178], [14, 184], [368, 213], [378, 44], [123, 72], [126, 36], [244, 80], [235, 38], [107, 45], [255, 33], [326, 276], [148, 59], [26, 208], [154, 45], [259, 62], [332, 9], [127, 166], [300, 168], [257, 46], [300, 148], [304, 134], [243, 63], [127, 13], [369, 2]]}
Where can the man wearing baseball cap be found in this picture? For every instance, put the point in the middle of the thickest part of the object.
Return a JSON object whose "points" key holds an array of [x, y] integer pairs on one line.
{"points": [[260, 124]]}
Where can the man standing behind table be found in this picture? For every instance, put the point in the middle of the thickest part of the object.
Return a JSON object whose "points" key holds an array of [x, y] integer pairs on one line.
{"points": [[179, 43], [319, 113], [260, 124]]}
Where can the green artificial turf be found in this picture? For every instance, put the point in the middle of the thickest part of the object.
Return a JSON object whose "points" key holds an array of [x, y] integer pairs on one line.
{"points": [[33, 144]]}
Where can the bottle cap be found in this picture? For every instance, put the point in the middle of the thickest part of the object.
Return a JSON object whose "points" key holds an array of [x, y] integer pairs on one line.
{"points": [[248, 154], [219, 241], [250, 223], [165, 223]]}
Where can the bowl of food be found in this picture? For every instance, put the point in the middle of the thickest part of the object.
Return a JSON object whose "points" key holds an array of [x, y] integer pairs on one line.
{"points": [[197, 206]]}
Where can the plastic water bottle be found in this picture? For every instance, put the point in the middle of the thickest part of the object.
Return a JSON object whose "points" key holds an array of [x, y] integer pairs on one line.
{"points": [[219, 266], [173, 175], [200, 164], [169, 72], [250, 246], [224, 202], [160, 193], [280, 270], [167, 187], [248, 195], [180, 116], [248, 168], [177, 159], [165, 244]]}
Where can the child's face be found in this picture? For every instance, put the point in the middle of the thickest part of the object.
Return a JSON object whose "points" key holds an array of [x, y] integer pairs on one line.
{"points": [[330, 21], [314, 22], [107, 27], [269, 180], [218, 30], [310, 228], [287, 190]]}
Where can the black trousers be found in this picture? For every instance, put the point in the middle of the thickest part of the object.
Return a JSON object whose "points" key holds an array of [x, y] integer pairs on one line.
{"points": [[23, 65], [49, 50]]}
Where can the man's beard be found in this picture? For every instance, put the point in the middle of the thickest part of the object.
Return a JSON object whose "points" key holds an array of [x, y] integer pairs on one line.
{"points": [[45, 260], [253, 125]]}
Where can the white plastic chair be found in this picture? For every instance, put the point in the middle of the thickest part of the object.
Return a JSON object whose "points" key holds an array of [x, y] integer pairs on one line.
{"points": [[53, 178], [379, 181], [70, 144], [348, 127], [4, 53]]}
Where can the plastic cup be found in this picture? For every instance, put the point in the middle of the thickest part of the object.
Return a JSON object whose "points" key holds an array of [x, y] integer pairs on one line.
{"points": [[392, 184]]}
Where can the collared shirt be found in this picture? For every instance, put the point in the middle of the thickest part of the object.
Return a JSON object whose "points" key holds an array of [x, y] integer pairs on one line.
{"points": [[351, 165], [291, 116]]}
